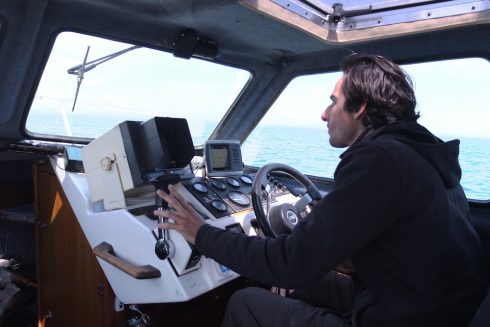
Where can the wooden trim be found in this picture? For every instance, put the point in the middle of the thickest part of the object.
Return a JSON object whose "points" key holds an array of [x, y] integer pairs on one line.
{"points": [[105, 251]]}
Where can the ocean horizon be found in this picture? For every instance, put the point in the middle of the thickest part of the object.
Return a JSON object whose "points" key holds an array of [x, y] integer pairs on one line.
{"points": [[306, 149]]}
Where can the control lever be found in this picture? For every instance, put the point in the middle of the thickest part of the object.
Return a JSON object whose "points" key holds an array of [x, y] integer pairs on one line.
{"points": [[164, 247]]}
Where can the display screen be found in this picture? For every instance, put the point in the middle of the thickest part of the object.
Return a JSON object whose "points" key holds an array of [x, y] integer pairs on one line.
{"points": [[220, 157], [223, 158]]}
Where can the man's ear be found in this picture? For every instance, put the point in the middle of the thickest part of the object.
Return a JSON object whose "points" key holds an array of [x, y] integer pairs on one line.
{"points": [[362, 110]]}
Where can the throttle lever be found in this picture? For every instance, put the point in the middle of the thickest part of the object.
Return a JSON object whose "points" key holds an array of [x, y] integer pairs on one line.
{"points": [[164, 247]]}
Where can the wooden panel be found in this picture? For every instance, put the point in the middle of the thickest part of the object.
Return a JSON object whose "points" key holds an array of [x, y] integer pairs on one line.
{"points": [[73, 290]]}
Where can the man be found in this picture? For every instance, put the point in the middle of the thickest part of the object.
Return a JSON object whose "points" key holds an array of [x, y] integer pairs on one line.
{"points": [[397, 213]]}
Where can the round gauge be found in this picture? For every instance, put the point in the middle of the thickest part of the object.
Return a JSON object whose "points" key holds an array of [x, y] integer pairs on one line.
{"points": [[201, 187], [239, 198], [246, 179], [233, 181], [219, 205], [219, 184]]}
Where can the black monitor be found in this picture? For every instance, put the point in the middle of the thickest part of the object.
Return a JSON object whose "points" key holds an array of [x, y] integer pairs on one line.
{"points": [[156, 146], [223, 158]]}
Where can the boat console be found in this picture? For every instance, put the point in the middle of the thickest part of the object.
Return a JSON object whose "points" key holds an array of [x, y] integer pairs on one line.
{"points": [[115, 198]]}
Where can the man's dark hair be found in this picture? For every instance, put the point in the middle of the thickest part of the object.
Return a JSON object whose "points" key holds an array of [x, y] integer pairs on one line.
{"points": [[385, 88]]}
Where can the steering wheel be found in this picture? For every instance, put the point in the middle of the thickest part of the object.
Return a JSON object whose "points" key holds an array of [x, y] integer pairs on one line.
{"points": [[281, 218]]}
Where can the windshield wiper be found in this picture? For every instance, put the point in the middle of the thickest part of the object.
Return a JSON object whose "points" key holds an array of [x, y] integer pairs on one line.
{"points": [[80, 70], [336, 12]]}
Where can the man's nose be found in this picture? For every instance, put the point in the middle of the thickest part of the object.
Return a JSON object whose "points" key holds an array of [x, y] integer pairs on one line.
{"points": [[325, 115]]}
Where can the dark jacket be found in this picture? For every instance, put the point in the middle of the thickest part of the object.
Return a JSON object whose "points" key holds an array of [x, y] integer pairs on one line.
{"points": [[398, 212]]}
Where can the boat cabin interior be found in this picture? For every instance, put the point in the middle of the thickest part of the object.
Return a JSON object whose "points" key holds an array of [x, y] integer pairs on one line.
{"points": [[102, 102]]}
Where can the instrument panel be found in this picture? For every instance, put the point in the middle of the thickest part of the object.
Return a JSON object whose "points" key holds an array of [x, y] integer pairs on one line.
{"points": [[223, 196]]}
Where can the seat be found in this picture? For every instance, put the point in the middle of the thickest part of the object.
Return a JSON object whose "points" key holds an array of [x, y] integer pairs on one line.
{"points": [[482, 316], [480, 218]]}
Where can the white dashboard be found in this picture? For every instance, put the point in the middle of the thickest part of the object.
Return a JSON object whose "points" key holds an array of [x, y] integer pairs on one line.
{"points": [[114, 199], [128, 238]]}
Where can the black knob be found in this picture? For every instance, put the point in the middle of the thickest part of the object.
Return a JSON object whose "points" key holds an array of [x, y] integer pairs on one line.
{"points": [[162, 249], [254, 223]]}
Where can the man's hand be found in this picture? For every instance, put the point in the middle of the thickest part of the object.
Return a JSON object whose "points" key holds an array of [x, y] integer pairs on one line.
{"points": [[186, 220]]}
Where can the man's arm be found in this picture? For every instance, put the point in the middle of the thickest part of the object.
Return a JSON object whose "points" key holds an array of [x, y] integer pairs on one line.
{"points": [[360, 207]]}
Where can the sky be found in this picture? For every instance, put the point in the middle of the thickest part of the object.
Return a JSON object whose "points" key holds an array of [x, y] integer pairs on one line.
{"points": [[452, 95], [137, 85]]}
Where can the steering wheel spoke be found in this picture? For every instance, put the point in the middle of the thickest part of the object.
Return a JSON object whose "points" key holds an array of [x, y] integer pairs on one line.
{"points": [[302, 204], [266, 200]]}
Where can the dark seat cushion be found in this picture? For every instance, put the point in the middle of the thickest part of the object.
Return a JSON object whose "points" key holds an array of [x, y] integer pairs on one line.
{"points": [[480, 219], [482, 316]]}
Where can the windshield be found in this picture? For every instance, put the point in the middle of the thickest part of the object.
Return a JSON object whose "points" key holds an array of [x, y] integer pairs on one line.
{"points": [[134, 85]]}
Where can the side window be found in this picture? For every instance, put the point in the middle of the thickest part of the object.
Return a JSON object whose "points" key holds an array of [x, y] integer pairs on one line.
{"points": [[292, 131], [451, 98], [453, 104]]}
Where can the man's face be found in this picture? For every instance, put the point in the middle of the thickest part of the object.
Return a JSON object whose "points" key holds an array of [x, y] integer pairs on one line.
{"points": [[343, 126]]}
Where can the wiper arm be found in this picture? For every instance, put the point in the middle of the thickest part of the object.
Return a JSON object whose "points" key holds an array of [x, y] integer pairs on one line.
{"points": [[86, 66], [336, 12], [80, 70], [339, 12]]}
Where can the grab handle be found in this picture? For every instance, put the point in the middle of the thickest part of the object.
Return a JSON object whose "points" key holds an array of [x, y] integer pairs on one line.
{"points": [[105, 251]]}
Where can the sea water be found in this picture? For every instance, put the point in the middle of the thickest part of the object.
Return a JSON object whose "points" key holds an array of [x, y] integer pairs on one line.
{"points": [[306, 149]]}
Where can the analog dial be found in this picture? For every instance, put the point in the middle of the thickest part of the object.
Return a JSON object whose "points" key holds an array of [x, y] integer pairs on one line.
{"points": [[246, 179], [219, 205], [220, 185], [239, 198], [201, 187], [233, 181]]}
